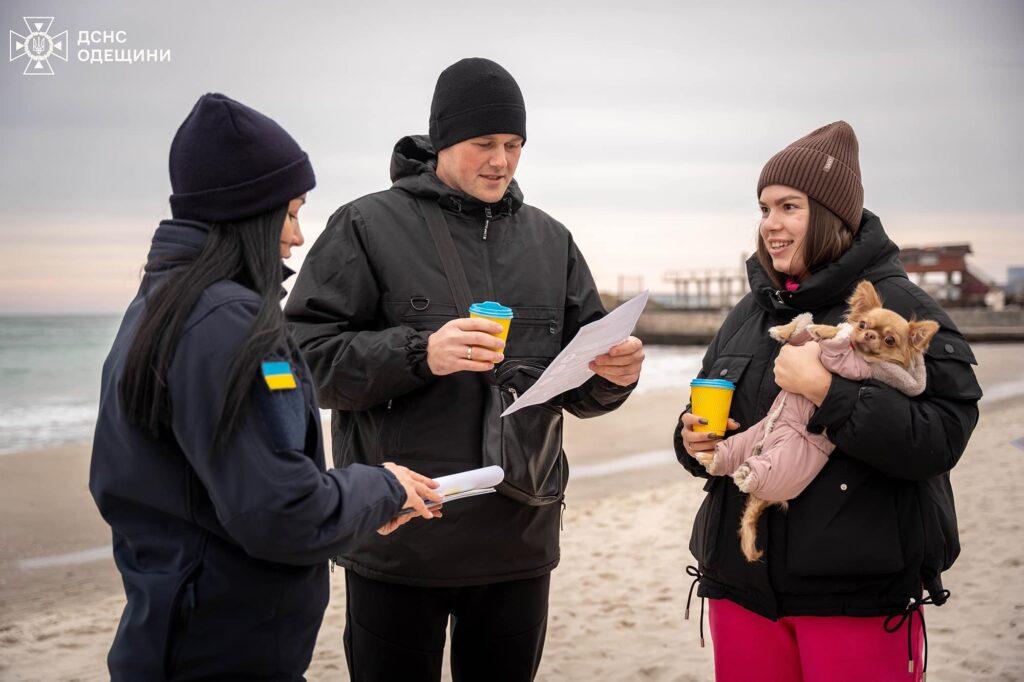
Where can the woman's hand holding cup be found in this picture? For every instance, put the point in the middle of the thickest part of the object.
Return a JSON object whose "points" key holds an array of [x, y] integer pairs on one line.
{"points": [[465, 345], [697, 442]]}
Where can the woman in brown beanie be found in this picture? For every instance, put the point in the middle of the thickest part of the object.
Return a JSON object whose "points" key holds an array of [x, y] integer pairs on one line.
{"points": [[847, 565]]}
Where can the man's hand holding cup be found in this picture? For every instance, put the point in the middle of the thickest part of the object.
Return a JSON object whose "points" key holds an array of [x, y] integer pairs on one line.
{"points": [[465, 345]]}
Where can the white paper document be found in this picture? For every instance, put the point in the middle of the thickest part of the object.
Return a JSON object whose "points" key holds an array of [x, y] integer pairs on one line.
{"points": [[466, 484], [572, 366]]}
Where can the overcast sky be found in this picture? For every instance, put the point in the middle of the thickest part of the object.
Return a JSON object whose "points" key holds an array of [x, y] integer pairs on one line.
{"points": [[648, 125]]}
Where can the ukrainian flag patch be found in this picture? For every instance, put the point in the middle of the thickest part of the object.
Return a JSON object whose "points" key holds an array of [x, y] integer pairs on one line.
{"points": [[278, 376]]}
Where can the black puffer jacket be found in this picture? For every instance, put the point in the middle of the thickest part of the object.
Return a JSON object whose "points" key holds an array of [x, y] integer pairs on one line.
{"points": [[371, 292], [878, 522]]}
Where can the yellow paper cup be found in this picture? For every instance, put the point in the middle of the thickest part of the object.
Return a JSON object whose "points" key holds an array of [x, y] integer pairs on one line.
{"points": [[711, 399], [495, 312]]}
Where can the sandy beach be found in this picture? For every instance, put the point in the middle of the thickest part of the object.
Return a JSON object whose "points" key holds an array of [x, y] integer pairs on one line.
{"points": [[618, 595]]}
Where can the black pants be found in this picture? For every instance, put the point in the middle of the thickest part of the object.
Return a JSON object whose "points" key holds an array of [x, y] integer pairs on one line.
{"points": [[397, 632]]}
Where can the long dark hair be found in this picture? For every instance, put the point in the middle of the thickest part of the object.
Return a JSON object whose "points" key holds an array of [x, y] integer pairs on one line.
{"points": [[827, 238], [247, 252]]}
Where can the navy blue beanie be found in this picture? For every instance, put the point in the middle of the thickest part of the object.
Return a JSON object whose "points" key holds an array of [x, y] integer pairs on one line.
{"points": [[230, 162], [475, 97]]}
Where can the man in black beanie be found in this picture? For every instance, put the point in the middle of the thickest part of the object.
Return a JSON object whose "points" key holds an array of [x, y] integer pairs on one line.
{"points": [[411, 378]]}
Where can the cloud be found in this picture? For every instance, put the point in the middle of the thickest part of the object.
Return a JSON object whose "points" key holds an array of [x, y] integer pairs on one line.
{"points": [[658, 115]]}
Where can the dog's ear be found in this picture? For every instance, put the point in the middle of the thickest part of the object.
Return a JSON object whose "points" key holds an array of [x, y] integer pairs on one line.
{"points": [[921, 333], [864, 298]]}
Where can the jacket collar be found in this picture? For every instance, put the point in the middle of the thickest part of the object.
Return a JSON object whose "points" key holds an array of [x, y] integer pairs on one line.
{"points": [[414, 169], [873, 256], [177, 242]]}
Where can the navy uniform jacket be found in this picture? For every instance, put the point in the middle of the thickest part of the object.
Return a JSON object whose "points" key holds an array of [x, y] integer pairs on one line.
{"points": [[223, 556]]}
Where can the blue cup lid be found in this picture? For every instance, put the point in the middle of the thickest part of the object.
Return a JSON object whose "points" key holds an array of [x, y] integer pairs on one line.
{"points": [[491, 309], [714, 383]]}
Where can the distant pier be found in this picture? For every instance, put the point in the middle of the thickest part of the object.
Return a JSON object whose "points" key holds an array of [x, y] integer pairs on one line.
{"points": [[669, 326]]}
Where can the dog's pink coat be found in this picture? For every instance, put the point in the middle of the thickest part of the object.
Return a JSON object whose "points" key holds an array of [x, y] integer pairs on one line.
{"points": [[790, 456]]}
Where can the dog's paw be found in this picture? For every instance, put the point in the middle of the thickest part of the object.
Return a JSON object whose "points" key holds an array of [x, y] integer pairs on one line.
{"points": [[819, 331], [744, 478], [780, 333], [707, 459], [803, 320]]}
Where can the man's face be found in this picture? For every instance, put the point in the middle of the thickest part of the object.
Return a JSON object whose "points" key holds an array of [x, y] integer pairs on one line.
{"points": [[481, 167]]}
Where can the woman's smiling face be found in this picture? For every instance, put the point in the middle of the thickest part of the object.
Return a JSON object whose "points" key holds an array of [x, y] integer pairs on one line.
{"points": [[785, 216]]}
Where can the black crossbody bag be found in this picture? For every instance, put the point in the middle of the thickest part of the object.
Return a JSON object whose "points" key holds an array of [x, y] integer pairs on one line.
{"points": [[527, 444]]}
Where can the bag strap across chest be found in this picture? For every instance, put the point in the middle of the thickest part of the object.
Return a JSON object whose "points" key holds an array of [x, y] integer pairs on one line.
{"points": [[462, 295]]}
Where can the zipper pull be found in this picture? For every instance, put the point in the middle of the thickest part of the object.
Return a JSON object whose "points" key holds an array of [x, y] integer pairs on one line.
{"points": [[390, 402], [512, 390], [487, 220], [333, 564]]}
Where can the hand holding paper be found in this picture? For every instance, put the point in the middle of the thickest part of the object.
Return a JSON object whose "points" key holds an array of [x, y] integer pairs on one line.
{"points": [[464, 484], [621, 364], [572, 367]]}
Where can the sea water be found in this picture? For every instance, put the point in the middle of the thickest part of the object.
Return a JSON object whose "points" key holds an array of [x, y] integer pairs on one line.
{"points": [[50, 376]]}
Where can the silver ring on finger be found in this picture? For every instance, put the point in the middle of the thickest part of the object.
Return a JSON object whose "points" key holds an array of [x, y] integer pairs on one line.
{"points": [[469, 353]]}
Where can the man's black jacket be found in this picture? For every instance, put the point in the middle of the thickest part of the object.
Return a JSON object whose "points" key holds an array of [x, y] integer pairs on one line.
{"points": [[371, 292]]}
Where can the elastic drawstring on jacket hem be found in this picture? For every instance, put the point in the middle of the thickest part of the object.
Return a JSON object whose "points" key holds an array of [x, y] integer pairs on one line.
{"points": [[894, 622], [696, 575]]}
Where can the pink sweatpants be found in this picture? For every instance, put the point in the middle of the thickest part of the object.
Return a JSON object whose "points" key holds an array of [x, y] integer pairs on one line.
{"points": [[752, 648]]}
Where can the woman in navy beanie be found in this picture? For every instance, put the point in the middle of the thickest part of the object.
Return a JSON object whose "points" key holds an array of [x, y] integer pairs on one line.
{"points": [[208, 459]]}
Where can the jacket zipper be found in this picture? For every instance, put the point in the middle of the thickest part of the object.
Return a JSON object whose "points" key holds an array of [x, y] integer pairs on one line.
{"points": [[552, 324], [487, 258]]}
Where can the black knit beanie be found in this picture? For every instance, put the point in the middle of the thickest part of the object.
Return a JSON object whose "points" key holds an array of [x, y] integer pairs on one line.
{"points": [[230, 162], [475, 97]]}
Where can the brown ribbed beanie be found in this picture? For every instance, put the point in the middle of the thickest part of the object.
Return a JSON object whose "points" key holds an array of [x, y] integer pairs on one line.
{"points": [[825, 167]]}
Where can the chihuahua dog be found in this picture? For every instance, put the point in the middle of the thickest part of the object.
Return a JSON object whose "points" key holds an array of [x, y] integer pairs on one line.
{"points": [[773, 461], [879, 334]]}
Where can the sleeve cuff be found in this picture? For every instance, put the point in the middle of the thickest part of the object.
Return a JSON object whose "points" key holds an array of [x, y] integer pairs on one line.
{"points": [[607, 392], [836, 408], [416, 347], [394, 487]]}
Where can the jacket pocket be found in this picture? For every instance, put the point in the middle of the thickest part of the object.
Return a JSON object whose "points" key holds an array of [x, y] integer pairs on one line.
{"points": [[389, 430], [527, 445], [950, 376], [419, 312], [707, 524], [729, 367], [536, 332], [182, 605], [938, 519], [844, 523]]}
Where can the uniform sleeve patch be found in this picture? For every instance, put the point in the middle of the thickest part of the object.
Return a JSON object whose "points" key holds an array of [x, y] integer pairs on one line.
{"points": [[278, 376]]}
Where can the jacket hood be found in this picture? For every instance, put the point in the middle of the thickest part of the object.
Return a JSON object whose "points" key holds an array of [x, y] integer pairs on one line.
{"points": [[873, 256], [413, 169], [177, 242]]}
